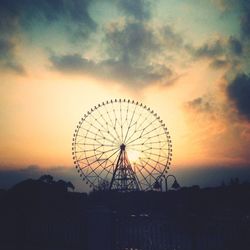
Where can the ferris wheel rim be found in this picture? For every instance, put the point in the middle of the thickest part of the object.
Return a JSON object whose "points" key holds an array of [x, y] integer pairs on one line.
{"points": [[118, 140]]}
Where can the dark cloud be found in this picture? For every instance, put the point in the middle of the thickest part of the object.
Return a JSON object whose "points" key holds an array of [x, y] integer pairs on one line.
{"points": [[139, 9], [6, 48], [134, 49], [200, 104], [209, 50], [242, 7], [134, 42], [136, 76], [72, 63], [245, 18], [7, 57], [16, 15], [235, 46], [218, 64], [111, 69], [245, 25], [221, 53], [171, 39], [131, 53], [239, 92]]}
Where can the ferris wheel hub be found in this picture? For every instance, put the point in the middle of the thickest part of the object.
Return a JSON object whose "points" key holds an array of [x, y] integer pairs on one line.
{"points": [[122, 147]]}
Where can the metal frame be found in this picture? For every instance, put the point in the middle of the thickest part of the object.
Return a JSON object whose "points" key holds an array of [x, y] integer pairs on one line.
{"points": [[98, 150]]}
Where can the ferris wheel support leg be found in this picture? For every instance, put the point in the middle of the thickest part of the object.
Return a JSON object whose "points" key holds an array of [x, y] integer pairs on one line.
{"points": [[116, 167]]}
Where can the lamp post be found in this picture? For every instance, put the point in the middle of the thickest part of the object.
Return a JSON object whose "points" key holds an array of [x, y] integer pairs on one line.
{"points": [[175, 185]]}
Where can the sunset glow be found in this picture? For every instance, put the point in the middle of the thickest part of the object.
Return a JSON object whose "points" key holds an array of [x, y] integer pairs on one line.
{"points": [[186, 60]]}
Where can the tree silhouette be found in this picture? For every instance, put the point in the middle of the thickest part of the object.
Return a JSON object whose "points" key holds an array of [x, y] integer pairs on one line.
{"points": [[46, 178]]}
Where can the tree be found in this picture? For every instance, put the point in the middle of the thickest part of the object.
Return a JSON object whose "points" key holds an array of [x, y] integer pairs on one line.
{"points": [[46, 178]]}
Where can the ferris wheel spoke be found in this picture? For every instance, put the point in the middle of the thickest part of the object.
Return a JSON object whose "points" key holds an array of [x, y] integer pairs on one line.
{"points": [[89, 150], [121, 121], [86, 150], [106, 131], [144, 143], [94, 144], [127, 112], [92, 126], [95, 150], [112, 125], [154, 168], [155, 148], [140, 141], [93, 170], [154, 154], [98, 161], [146, 170], [88, 157], [139, 137], [106, 168], [143, 176], [107, 124], [87, 137], [138, 119], [133, 114], [96, 154], [132, 131], [141, 130], [160, 163], [154, 130], [150, 131], [143, 121], [97, 140], [101, 135], [117, 123], [148, 125], [103, 169]]}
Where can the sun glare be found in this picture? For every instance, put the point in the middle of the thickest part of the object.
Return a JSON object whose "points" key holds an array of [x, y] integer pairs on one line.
{"points": [[133, 155]]}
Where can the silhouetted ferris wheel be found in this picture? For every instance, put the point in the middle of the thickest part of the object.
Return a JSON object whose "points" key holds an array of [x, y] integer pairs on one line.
{"points": [[122, 144]]}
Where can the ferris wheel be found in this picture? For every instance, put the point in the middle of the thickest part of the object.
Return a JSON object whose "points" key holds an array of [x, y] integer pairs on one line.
{"points": [[121, 145]]}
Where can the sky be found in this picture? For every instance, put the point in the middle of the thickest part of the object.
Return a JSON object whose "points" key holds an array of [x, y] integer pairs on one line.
{"points": [[188, 60]]}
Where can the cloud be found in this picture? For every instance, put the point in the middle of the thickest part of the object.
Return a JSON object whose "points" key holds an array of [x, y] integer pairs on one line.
{"points": [[171, 39], [235, 46], [221, 53], [72, 63], [209, 50], [242, 7], [218, 64], [21, 15], [132, 52], [200, 104], [110, 69], [139, 9], [245, 18], [8, 59], [133, 42], [238, 91]]}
